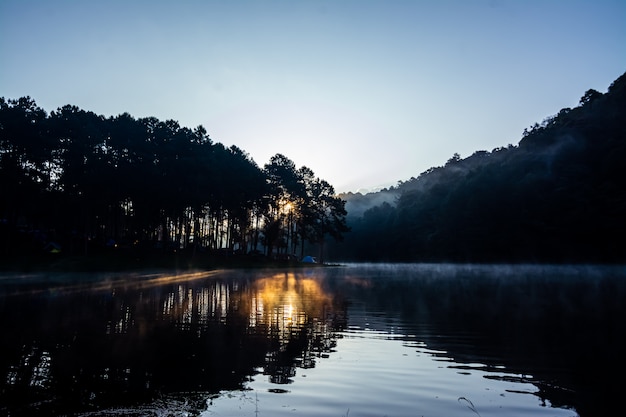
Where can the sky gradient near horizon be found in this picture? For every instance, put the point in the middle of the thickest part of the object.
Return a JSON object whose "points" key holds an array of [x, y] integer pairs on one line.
{"points": [[365, 93]]}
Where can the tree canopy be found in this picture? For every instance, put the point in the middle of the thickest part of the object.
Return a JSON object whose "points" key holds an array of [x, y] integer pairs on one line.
{"points": [[558, 196], [78, 182]]}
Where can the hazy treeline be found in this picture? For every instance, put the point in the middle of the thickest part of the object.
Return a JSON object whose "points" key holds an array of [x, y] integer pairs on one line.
{"points": [[74, 181], [558, 196]]}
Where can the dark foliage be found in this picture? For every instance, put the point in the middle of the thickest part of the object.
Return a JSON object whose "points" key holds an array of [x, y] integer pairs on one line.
{"points": [[81, 184], [559, 196]]}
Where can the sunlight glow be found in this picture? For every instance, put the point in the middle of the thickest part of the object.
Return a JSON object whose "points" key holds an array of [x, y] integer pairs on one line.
{"points": [[284, 301]]}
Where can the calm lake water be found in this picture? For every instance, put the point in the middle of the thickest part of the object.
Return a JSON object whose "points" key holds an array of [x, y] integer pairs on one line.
{"points": [[354, 340]]}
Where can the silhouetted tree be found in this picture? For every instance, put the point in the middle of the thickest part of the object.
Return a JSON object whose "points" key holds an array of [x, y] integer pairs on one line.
{"points": [[86, 182]]}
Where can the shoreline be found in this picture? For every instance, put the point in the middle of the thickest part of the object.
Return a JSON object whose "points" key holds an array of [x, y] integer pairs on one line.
{"points": [[121, 262]]}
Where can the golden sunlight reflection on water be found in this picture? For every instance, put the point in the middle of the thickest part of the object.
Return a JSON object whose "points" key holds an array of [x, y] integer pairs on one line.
{"points": [[373, 340]]}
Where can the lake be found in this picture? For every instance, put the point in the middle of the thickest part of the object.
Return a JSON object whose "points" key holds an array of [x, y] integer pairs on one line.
{"points": [[355, 340]]}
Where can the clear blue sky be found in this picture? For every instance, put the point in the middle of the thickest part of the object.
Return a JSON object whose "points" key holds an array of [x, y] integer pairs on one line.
{"points": [[365, 93]]}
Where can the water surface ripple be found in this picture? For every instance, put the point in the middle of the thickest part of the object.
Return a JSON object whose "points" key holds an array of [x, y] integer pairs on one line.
{"points": [[353, 340]]}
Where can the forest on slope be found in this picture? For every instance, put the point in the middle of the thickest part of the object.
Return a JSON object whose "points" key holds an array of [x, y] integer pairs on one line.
{"points": [[558, 196], [76, 183]]}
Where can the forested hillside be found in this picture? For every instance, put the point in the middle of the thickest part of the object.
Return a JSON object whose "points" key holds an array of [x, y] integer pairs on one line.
{"points": [[74, 182], [77, 183], [558, 196]]}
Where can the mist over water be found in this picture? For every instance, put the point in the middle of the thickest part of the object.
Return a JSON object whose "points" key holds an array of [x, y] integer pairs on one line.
{"points": [[358, 340]]}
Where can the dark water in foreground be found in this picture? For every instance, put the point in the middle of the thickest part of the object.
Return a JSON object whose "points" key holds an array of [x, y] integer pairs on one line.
{"points": [[356, 340]]}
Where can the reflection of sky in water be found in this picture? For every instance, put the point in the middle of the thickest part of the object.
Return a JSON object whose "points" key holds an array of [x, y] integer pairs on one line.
{"points": [[372, 373], [348, 341]]}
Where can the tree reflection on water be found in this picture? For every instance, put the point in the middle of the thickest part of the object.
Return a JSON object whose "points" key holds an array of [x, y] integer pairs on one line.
{"points": [[67, 347], [297, 318], [73, 344]]}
